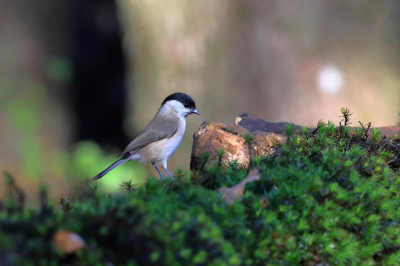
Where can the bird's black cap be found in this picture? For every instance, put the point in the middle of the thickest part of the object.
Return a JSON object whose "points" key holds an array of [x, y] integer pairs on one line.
{"points": [[185, 99]]}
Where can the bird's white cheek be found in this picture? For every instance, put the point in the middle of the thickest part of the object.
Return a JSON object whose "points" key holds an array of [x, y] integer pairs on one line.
{"points": [[178, 107], [182, 111]]}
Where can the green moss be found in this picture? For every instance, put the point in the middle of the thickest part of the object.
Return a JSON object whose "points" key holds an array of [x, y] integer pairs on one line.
{"points": [[332, 198]]}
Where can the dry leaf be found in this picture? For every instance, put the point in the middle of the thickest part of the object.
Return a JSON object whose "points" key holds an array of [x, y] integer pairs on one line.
{"points": [[271, 138], [264, 201], [68, 241], [232, 193]]}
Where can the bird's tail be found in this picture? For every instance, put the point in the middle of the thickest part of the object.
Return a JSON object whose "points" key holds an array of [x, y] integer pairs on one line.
{"points": [[108, 169]]}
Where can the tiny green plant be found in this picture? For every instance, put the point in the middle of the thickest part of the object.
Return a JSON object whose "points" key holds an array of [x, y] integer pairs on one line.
{"points": [[248, 139], [346, 114], [221, 153], [289, 130], [398, 123], [179, 173], [358, 132], [205, 160], [376, 134]]}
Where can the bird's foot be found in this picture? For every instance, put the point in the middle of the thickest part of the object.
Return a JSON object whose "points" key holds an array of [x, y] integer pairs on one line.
{"points": [[166, 170]]}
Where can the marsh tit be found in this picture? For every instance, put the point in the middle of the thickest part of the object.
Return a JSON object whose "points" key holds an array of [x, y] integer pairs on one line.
{"points": [[160, 138]]}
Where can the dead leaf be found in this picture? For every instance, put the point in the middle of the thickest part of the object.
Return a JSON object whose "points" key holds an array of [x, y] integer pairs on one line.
{"points": [[68, 242], [264, 201], [232, 193], [271, 138]]}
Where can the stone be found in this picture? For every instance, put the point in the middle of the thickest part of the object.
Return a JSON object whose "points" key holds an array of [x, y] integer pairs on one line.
{"points": [[214, 136], [252, 124]]}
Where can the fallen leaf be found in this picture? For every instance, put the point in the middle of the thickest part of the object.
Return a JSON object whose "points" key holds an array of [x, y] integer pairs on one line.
{"points": [[271, 138], [68, 242], [264, 201], [232, 193]]}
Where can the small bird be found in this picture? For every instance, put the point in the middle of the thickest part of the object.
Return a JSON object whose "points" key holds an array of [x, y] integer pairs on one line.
{"points": [[160, 138]]}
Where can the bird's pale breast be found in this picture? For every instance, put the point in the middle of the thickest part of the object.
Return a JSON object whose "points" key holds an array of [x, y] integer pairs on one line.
{"points": [[161, 150]]}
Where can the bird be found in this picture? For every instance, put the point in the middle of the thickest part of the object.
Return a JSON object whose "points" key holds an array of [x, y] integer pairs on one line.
{"points": [[160, 138]]}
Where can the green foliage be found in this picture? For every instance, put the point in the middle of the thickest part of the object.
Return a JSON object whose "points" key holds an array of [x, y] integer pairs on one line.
{"points": [[60, 69], [88, 156], [27, 115], [332, 199], [160, 223], [221, 153], [398, 123], [289, 130]]}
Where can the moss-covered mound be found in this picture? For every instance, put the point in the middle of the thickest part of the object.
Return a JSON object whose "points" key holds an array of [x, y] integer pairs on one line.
{"points": [[326, 197]]}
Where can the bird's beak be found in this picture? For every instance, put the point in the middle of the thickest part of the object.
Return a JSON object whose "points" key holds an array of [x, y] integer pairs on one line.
{"points": [[195, 111]]}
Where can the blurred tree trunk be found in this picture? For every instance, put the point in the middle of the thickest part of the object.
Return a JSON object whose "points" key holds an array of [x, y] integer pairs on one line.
{"points": [[98, 86]]}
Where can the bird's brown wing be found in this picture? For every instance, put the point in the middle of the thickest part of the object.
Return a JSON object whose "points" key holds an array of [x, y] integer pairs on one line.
{"points": [[157, 129]]}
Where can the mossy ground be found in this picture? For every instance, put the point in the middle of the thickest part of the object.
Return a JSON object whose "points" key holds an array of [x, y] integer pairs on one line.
{"points": [[327, 197]]}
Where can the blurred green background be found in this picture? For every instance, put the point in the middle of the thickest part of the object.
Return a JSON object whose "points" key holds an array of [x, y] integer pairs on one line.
{"points": [[79, 79]]}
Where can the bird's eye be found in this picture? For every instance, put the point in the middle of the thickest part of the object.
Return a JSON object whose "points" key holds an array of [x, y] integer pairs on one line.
{"points": [[186, 105]]}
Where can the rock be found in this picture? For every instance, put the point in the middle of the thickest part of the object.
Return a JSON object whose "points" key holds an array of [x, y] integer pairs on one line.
{"points": [[252, 124], [213, 136]]}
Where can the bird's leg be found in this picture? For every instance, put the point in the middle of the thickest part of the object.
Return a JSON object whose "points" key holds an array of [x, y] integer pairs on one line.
{"points": [[158, 170], [164, 166], [166, 170]]}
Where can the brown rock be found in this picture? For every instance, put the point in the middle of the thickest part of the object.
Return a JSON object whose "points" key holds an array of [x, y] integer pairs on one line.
{"points": [[213, 136]]}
